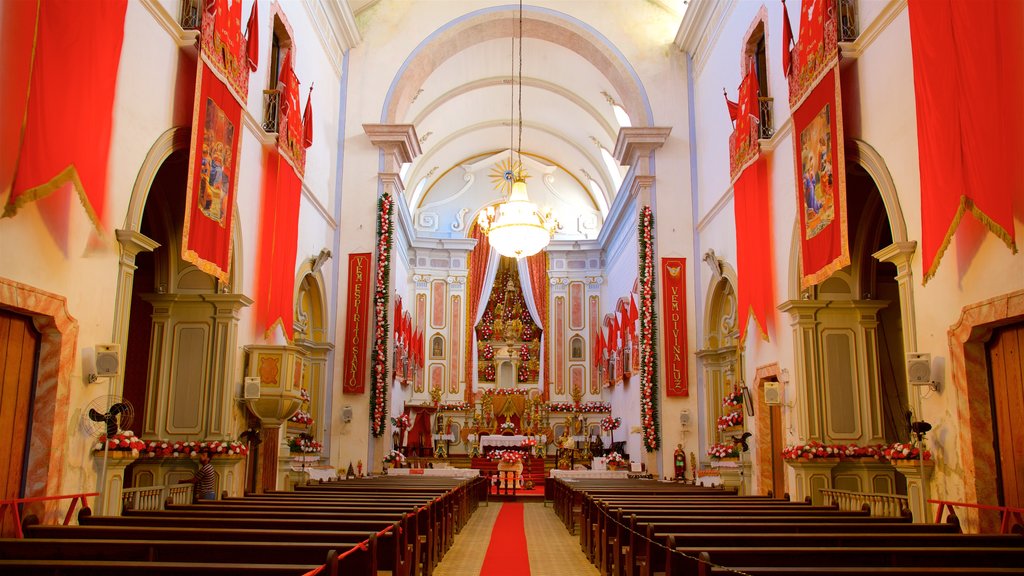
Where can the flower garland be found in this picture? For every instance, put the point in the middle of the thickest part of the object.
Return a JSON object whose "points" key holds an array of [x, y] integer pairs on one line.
{"points": [[729, 420], [487, 353], [815, 449], [506, 391], [509, 456], [304, 394], [302, 417], [898, 451], [401, 422], [609, 423], [455, 406], [379, 378], [648, 333], [734, 398], [125, 442], [717, 451], [594, 406], [394, 457], [167, 449]]}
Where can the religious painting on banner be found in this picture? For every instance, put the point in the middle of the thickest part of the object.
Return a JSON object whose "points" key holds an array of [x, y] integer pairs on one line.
{"points": [[816, 103], [673, 298], [357, 312]]}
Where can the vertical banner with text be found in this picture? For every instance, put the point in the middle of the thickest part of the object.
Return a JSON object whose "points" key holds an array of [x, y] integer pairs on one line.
{"points": [[357, 314], [673, 303]]}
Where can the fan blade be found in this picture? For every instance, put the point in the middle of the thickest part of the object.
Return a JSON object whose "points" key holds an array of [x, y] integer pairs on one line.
{"points": [[96, 416], [118, 408]]}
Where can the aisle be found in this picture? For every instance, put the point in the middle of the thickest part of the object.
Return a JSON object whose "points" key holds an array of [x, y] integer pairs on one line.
{"points": [[552, 551]]}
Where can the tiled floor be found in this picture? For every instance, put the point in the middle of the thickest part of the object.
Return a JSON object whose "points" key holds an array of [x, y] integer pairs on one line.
{"points": [[552, 550]]}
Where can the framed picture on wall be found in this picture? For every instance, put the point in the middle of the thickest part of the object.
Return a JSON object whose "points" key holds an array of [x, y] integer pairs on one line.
{"points": [[437, 347]]}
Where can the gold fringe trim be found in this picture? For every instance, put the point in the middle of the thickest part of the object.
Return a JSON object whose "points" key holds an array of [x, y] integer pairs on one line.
{"points": [[9, 186], [967, 205], [270, 329], [69, 174]]}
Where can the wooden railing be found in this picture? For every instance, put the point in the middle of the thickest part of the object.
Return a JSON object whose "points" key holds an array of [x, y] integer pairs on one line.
{"points": [[1010, 517], [13, 504], [271, 102], [154, 497], [888, 505]]}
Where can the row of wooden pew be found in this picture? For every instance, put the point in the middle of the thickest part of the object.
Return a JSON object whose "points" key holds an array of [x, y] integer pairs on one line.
{"points": [[402, 525], [648, 528]]}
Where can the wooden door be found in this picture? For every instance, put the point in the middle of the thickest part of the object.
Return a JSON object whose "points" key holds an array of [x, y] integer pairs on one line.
{"points": [[1005, 353], [19, 346]]}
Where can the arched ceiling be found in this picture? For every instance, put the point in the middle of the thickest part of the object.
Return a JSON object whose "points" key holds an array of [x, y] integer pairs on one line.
{"points": [[458, 89]]}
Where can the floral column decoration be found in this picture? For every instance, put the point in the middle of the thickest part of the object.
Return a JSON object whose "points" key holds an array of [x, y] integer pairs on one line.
{"points": [[648, 329], [379, 381]]}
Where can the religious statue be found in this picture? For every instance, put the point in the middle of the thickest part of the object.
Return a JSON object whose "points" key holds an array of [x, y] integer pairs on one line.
{"points": [[680, 463]]}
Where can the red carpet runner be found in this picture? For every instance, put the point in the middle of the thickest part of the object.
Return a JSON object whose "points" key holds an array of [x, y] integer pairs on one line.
{"points": [[506, 554]]}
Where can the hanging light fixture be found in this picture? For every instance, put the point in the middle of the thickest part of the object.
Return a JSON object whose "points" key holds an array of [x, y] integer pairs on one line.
{"points": [[516, 227]]}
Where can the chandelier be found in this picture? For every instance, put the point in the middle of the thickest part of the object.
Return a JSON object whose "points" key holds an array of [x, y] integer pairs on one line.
{"points": [[516, 227]]}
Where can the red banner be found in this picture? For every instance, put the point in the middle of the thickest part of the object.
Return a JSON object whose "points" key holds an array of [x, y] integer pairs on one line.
{"points": [[968, 87], [752, 208], [673, 304], [279, 236], [60, 60], [213, 167], [821, 181], [357, 314]]}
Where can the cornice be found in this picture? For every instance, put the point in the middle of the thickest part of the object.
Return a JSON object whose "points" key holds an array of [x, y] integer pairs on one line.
{"points": [[700, 28]]}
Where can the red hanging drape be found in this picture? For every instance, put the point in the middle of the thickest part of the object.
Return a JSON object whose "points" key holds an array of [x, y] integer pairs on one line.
{"points": [[57, 123], [752, 208], [477, 266], [279, 234], [969, 86], [538, 267]]}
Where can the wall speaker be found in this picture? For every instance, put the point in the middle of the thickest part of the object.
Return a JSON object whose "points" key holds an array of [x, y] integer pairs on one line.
{"points": [[684, 417], [772, 393], [919, 369], [108, 359], [346, 414], [251, 388]]}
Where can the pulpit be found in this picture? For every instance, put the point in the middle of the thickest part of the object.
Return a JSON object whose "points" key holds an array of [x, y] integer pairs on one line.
{"points": [[509, 472], [279, 369]]}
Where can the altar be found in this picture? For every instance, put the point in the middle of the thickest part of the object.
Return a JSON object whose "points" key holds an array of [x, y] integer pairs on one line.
{"points": [[515, 441]]}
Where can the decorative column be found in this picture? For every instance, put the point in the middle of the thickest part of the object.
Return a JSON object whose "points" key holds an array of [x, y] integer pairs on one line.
{"points": [[131, 243], [223, 344], [804, 315], [812, 476], [108, 503], [917, 476], [901, 254], [279, 369]]}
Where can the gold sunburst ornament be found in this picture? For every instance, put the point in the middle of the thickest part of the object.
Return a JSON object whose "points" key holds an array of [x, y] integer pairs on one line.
{"points": [[504, 173]]}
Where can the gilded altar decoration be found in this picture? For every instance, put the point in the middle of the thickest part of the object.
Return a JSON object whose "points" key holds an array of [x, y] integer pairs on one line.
{"points": [[648, 333], [506, 331], [379, 374]]}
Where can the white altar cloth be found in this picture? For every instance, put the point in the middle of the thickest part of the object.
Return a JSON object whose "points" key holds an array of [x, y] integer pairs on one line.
{"points": [[588, 474], [449, 472], [508, 441]]}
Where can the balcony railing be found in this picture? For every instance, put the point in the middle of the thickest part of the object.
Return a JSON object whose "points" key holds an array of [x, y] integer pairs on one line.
{"points": [[191, 16], [271, 102], [154, 497], [847, 21], [889, 505], [767, 125]]}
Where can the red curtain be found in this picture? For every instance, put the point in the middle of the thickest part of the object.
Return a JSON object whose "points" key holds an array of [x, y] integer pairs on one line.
{"points": [[279, 223], [59, 98], [477, 266], [969, 86], [538, 267], [752, 208]]}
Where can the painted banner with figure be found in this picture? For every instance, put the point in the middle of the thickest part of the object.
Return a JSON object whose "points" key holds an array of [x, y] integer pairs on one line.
{"points": [[357, 314], [673, 314], [815, 99], [222, 84]]}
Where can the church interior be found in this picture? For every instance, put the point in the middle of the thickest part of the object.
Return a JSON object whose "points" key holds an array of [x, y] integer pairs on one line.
{"points": [[446, 253]]}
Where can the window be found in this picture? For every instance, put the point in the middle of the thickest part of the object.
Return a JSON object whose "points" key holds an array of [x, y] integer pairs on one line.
{"points": [[280, 43], [755, 55]]}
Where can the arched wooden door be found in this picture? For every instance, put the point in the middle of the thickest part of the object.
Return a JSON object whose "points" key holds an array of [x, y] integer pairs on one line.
{"points": [[19, 353], [1006, 359]]}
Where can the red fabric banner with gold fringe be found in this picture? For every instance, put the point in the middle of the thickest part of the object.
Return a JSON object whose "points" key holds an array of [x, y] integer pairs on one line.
{"points": [[969, 86], [279, 236], [673, 302], [60, 60], [357, 318], [752, 209], [213, 169], [816, 103]]}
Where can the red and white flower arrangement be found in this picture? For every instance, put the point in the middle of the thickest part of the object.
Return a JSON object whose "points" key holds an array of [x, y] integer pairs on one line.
{"points": [[731, 419], [594, 406], [487, 372], [648, 333], [487, 352], [508, 456], [507, 426], [524, 353], [126, 441], [455, 406], [394, 457], [815, 449], [302, 417], [718, 451], [528, 443], [401, 422], [379, 374], [733, 399], [900, 451], [614, 459], [304, 443], [506, 391], [609, 423], [304, 394]]}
